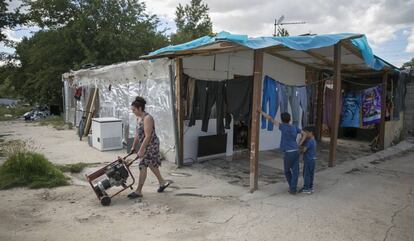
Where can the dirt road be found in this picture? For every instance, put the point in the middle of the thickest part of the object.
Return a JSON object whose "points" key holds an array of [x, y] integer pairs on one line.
{"points": [[367, 199]]}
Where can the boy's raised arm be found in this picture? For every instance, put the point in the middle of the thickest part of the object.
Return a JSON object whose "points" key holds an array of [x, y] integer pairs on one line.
{"points": [[268, 117]]}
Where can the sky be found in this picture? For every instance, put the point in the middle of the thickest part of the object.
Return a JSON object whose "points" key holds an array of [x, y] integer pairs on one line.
{"points": [[388, 24]]}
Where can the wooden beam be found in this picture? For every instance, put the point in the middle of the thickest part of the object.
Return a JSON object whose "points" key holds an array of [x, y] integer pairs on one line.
{"points": [[254, 138], [180, 111], [383, 110], [351, 48], [336, 104], [319, 56], [319, 107]]}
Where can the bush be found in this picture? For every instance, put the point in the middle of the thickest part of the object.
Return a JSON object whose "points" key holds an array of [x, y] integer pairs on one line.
{"points": [[30, 169]]}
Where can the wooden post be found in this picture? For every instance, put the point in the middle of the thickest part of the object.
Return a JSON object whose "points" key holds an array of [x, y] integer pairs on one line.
{"points": [[173, 110], [180, 111], [319, 107], [383, 110], [336, 108], [254, 134]]}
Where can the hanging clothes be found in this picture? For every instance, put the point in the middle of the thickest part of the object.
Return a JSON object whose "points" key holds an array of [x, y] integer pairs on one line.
{"points": [[209, 94], [327, 107], [270, 99], [78, 93], [190, 92], [351, 109], [371, 105], [239, 98], [302, 95], [400, 92], [294, 103], [283, 97]]}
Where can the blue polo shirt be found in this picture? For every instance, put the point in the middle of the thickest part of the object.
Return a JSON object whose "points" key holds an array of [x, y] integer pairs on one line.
{"points": [[289, 135], [310, 153]]}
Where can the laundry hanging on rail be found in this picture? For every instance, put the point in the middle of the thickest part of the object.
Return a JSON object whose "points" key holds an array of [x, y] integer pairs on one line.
{"points": [[270, 101], [371, 105], [351, 109], [239, 92], [276, 94], [220, 100], [400, 92]]}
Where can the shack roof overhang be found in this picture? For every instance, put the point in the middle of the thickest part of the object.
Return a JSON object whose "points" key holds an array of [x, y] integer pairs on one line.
{"points": [[315, 51]]}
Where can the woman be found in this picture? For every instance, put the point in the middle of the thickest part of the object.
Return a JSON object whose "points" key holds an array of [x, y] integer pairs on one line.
{"points": [[149, 148]]}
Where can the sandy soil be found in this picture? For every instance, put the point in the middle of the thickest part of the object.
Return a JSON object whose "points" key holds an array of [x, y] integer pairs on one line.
{"points": [[369, 198]]}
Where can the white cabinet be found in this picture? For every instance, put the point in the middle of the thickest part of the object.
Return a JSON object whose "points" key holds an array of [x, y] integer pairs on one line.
{"points": [[107, 133]]}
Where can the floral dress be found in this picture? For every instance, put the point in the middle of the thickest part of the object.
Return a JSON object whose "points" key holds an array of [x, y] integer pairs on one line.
{"points": [[152, 153]]}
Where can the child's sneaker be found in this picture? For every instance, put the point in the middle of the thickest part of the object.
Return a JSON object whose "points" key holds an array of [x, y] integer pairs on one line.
{"points": [[312, 190], [305, 191]]}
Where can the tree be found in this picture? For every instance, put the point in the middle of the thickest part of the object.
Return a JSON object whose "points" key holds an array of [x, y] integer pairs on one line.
{"points": [[192, 22], [8, 19], [106, 31], [409, 64], [76, 32]]}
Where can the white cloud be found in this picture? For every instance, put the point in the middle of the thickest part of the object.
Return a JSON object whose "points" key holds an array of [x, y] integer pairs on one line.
{"points": [[410, 40], [11, 35], [379, 20]]}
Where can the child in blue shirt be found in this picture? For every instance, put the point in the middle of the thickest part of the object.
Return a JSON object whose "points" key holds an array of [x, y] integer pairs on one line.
{"points": [[290, 148], [309, 157]]}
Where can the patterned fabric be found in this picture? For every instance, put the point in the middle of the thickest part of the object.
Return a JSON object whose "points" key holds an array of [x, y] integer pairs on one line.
{"points": [[152, 153]]}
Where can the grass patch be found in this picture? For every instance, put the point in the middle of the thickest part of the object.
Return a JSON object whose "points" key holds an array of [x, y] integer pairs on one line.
{"points": [[56, 121], [12, 113], [26, 168], [30, 169], [73, 168]]}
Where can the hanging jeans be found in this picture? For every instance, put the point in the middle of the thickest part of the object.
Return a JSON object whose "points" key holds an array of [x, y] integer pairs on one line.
{"points": [[283, 99], [302, 95], [221, 109], [206, 94], [293, 98], [271, 100]]}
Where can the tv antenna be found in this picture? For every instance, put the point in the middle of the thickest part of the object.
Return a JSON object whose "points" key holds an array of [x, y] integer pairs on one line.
{"points": [[279, 22]]}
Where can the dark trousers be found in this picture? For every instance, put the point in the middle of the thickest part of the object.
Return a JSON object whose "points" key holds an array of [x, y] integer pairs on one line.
{"points": [[206, 94], [291, 166], [308, 174]]}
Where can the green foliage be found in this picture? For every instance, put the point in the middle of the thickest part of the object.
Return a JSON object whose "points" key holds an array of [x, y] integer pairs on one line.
{"points": [[30, 169], [192, 22], [409, 64], [14, 111], [8, 19], [75, 33]]}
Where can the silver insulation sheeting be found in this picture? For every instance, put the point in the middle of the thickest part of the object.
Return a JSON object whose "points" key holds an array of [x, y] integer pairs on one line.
{"points": [[118, 86]]}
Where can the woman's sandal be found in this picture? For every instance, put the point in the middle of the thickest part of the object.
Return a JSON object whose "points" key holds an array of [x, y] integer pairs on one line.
{"points": [[134, 195], [163, 187]]}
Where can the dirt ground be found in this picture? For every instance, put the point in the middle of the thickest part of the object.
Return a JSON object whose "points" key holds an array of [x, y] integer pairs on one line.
{"points": [[369, 198]]}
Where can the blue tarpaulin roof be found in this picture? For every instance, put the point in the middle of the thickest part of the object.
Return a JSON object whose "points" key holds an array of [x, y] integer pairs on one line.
{"points": [[293, 42]]}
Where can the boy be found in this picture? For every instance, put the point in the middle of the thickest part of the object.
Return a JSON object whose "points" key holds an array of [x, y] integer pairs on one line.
{"points": [[290, 148], [309, 157]]}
